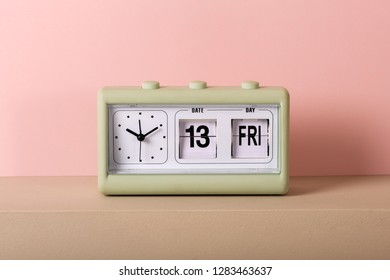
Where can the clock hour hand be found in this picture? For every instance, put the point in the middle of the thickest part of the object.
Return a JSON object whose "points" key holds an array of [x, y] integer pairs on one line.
{"points": [[132, 132], [153, 130]]}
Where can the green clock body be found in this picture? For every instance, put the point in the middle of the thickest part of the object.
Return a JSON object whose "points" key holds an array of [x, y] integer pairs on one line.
{"points": [[156, 140]]}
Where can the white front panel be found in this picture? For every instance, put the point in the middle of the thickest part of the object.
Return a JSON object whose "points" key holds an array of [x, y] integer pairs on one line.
{"points": [[193, 139]]}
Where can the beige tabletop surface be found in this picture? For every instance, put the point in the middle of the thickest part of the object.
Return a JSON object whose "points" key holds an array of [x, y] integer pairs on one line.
{"points": [[341, 217]]}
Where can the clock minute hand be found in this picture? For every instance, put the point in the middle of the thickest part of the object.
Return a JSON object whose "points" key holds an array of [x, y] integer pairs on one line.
{"points": [[154, 129], [132, 132]]}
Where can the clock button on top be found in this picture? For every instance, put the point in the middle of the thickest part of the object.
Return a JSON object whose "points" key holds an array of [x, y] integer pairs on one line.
{"points": [[197, 85], [249, 85], [150, 85]]}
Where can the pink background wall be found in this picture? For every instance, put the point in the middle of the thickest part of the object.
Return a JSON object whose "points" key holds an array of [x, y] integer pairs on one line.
{"points": [[333, 56]]}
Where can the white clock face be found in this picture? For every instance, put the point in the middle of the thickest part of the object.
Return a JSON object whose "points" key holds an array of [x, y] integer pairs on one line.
{"points": [[179, 139], [139, 136]]}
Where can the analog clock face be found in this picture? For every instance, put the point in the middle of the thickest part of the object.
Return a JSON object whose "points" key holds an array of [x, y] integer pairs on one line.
{"points": [[139, 136], [177, 139]]}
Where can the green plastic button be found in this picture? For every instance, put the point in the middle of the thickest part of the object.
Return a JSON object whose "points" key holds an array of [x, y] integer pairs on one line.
{"points": [[249, 85], [150, 85], [197, 85]]}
